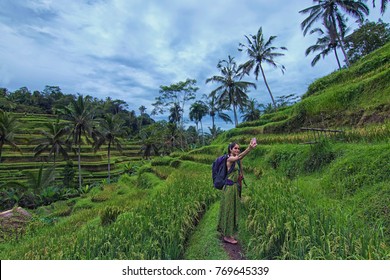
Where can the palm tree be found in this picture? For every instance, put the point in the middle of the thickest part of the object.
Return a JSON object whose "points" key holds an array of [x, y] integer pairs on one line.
{"points": [[53, 140], [111, 127], [329, 11], [142, 110], [260, 52], [38, 181], [232, 91], [215, 110], [80, 115], [383, 5], [197, 111], [155, 137], [8, 127], [252, 111], [30, 192], [325, 44]]}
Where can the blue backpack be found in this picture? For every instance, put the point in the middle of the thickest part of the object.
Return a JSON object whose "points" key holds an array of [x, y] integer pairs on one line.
{"points": [[219, 172]]}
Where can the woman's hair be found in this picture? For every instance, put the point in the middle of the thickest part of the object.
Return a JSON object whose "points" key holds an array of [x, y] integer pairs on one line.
{"points": [[231, 146]]}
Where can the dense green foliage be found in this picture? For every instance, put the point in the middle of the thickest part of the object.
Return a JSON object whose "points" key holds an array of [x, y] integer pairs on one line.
{"points": [[367, 38]]}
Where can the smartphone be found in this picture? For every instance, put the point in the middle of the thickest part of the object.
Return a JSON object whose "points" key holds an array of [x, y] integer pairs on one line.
{"points": [[254, 140]]}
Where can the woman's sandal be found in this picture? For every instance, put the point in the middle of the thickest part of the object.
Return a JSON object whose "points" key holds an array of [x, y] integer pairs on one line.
{"points": [[230, 240]]}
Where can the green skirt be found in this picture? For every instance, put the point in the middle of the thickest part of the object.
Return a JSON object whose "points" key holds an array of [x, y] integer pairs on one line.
{"points": [[229, 210]]}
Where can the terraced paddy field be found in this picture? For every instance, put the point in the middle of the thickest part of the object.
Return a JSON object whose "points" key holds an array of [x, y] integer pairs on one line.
{"points": [[15, 163]]}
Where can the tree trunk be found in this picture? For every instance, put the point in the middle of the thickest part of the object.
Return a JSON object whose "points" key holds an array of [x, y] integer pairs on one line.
{"points": [[337, 58], [343, 49], [213, 122], [54, 162], [201, 128], [235, 115], [79, 163], [266, 84], [197, 131], [1, 150], [340, 42], [109, 156]]}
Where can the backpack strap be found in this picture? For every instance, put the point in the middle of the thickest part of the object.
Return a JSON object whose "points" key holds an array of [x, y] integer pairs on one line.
{"points": [[239, 167], [241, 177]]}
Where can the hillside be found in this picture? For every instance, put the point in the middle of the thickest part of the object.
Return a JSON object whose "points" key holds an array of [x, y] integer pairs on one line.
{"points": [[326, 200], [350, 99]]}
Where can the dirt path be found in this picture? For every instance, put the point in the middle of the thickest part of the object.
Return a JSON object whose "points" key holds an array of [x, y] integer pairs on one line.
{"points": [[235, 251]]}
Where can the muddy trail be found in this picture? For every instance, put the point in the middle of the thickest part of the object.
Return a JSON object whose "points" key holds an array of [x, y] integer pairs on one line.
{"points": [[234, 251]]}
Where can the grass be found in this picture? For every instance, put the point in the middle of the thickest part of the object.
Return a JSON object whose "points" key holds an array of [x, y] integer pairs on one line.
{"points": [[51, 234], [205, 243]]}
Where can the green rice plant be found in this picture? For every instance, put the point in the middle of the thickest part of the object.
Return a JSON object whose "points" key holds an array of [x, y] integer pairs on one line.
{"points": [[157, 229], [158, 161], [82, 204], [163, 171], [363, 166], [282, 223], [60, 209], [321, 154], [126, 180], [109, 214], [175, 163], [147, 180], [370, 133], [144, 169], [100, 197], [373, 207]]}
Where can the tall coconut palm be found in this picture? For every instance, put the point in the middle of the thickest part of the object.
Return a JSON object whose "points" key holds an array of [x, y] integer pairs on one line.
{"points": [[80, 116], [330, 12], [325, 44], [8, 128], [197, 111], [53, 140], [110, 129], [232, 91], [142, 110], [215, 110], [259, 52]]}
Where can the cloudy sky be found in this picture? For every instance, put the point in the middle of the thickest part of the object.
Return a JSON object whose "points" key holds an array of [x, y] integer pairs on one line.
{"points": [[127, 49]]}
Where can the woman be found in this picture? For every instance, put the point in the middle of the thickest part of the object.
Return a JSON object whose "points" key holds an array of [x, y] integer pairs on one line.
{"points": [[228, 215]]}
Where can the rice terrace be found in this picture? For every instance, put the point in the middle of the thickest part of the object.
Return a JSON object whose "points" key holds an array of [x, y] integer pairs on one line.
{"points": [[85, 179]]}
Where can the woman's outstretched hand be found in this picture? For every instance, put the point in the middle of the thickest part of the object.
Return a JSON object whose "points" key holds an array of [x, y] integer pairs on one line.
{"points": [[253, 143]]}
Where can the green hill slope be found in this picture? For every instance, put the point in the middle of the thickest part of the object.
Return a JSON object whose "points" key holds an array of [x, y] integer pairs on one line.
{"points": [[353, 97]]}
